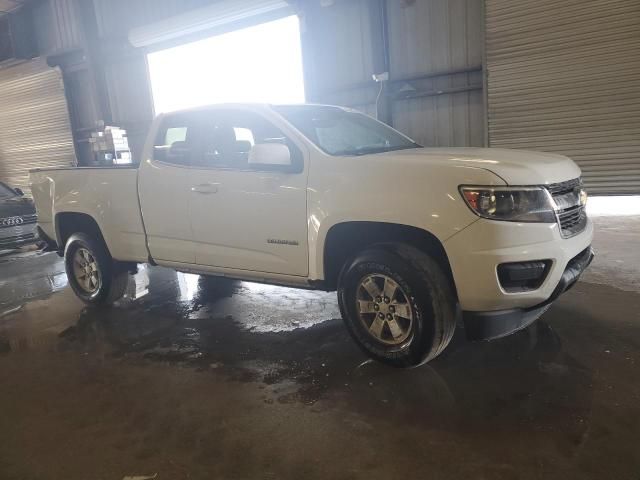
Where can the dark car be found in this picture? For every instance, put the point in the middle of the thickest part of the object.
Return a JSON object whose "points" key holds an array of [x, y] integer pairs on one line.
{"points": [[17, 219]]}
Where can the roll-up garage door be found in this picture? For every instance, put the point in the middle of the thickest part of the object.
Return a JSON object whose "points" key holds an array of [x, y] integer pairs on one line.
{"points": [[35, 131], [564, 76]]}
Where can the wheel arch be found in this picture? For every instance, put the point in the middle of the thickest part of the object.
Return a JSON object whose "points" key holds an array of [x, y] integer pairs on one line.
{"points": [[346, 239], [68, 223]]}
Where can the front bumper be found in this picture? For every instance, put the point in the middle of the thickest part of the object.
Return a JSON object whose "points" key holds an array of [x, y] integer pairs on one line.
{"points": [[475, 253], [17, 236], [496, 324]]}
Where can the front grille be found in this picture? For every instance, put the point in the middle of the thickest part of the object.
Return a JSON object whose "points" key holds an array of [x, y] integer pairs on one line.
{"points": [[10, 242], [10, 222], [572, 221], [29, 219], [572, 216], [17, 234], [564, 187]]}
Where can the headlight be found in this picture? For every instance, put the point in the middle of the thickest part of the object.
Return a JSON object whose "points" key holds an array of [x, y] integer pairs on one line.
{"points": [[512, 204]]}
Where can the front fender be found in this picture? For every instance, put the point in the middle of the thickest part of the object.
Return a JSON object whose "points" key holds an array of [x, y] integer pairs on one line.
{"points": [[420, 196]]}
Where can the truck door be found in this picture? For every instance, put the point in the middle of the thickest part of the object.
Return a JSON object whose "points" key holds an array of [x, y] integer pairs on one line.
{"points": [[246, 217], [164, 188]]}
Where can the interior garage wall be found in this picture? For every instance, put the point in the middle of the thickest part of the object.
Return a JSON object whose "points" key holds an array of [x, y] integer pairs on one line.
{"points": [[561, 76], [433, 51], [106, 80], [442, 41], [564, 77], [35, 130]]}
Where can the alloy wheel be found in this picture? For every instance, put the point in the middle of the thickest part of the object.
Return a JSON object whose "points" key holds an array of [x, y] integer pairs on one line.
{"points": [[86, 271], [384, 309]]}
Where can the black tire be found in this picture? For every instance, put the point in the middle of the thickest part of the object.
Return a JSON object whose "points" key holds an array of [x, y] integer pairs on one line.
{"points": [[113, 276], [428, 292]]}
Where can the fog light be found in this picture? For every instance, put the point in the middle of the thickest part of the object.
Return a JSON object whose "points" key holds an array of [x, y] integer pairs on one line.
{"points": [[523, 276]]}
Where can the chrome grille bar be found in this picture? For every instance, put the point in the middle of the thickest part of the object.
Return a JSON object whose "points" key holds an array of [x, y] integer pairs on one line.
{"points": [[572, 217]]}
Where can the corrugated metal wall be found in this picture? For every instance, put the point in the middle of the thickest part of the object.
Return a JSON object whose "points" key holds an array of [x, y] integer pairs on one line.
{"points": [[340, 46], [433, 38], [57, 25], [565, 77], [435, 53], [34, 122]]}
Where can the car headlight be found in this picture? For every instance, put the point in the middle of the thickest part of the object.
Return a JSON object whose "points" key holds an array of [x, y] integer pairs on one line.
{"points": [[512, 204]]}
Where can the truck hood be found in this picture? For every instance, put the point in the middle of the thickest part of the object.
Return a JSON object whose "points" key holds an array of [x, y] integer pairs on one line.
{"points": [[515, 167]]}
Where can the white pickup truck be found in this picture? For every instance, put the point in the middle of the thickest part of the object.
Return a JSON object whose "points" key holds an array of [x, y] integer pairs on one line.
{"points": [[323, 197]]}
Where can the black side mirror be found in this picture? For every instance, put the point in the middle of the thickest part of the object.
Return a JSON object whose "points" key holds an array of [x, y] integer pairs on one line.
{"points": [[179, 148], [179, 152], [19, 192]]}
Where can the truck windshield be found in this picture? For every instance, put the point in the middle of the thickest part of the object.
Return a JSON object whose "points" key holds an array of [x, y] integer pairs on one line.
{"points": [[343, 132]]}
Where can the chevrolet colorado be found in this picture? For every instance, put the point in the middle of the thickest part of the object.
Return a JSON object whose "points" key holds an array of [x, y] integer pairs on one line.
{"points": [[324, 197]]}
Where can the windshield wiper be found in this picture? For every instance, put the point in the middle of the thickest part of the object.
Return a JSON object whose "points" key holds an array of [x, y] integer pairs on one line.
{"points": [[375, 149]]}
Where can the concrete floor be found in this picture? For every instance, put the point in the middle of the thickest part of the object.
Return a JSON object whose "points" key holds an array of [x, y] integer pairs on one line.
{"points": [[201, 378]]}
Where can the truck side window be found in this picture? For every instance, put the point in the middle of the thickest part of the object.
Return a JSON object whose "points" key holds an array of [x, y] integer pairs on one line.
{"points": [[175, 134], [229, 136], [175, 143]]}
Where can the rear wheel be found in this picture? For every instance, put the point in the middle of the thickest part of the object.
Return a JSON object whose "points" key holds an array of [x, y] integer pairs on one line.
{"points": [[93, 275], [397, 304]]}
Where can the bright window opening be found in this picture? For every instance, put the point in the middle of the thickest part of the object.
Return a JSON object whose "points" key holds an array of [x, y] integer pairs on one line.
{"points": [[257, 64]]}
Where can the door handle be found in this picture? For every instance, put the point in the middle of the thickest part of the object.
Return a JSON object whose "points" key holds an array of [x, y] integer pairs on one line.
{"points": [[205, 188]]}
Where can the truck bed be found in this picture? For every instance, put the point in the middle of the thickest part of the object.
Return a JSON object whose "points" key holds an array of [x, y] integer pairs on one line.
{"points": [[107, 194]]}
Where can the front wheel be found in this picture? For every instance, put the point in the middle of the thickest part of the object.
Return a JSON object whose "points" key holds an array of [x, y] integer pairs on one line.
{"points": [[397, 304], [93, 275]]}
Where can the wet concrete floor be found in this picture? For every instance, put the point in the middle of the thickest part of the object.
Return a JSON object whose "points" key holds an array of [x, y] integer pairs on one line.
{"points": [[192, 378]]}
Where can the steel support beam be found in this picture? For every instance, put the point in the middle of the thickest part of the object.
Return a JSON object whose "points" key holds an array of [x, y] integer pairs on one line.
{"points": [[381, 59]]}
